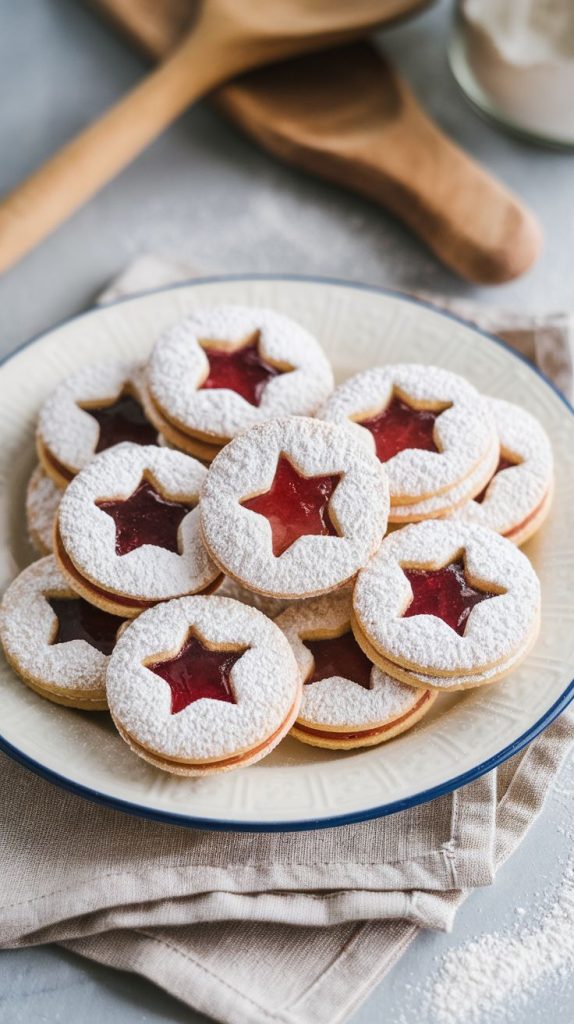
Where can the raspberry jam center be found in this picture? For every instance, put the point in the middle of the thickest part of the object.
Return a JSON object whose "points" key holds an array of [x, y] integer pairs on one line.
{"points": [[399, 426], [295, 505], [445, 593], [197, 672], [339, 656], [124, 420], [78, 620], [146, 517], [503, 463], [243, 370]]}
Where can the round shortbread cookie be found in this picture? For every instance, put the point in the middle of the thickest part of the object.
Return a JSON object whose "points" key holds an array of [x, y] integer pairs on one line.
{"points": [[270, 606], [128, 532], [176, 438], [442, 684], [43, 499], [430, 427], [519, 495], [356, 706], [57, 643], [294, 507], [203, 684], [93, 409], [225, 369], [486, 590], [445, 504]]}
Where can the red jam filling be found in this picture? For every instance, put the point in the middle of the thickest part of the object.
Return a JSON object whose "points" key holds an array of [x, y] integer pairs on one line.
{"points": [[399, 426], [78, 620], [503, 463], [445, 593], [197, 672], [295, 505], [124, 420], [339, 656], [243, 370], [146, 517]]}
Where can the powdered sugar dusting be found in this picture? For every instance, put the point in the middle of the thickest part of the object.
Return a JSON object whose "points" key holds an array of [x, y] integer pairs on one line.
{"points": [[265, 680], [68, 432], [28, 624], [447, 502], [178, 365], [88, 534], [240, 540], [43, 499], [464, 432], [337, 701], [517, 491], [496, 629], [486, 977]]}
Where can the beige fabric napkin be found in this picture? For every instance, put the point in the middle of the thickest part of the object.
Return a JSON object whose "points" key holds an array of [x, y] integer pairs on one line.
{"points": [[295, 928]]}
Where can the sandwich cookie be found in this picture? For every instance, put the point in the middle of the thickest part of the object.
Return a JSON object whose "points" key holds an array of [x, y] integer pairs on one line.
{"points": [[43, 499], [127, 533], [347, 701], [429, 427], [225, 369], [57, 642], [294, 507], [457, 604], [95, 408], [201, 685], [519, 495]]}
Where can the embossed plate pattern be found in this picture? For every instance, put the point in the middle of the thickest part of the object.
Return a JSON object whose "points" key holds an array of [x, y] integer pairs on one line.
{"points": [[298, 786]]}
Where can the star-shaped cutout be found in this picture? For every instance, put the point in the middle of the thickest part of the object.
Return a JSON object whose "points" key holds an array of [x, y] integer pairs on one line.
{"points": [[400, 426], [503, 463], [295, 505], [79, 620], [241, 369], [446, 593], [198, 671], [146, 517], [339, 656], [122, 420]]}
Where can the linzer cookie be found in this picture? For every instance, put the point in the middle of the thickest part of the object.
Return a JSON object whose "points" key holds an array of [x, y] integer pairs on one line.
{"points": [[95, 408], [455, 604], [430, 428], [43, 498], [449, 502], [127, 533], [519, 495], [347, 701], [294, 507], [225, 369], [201, 685], [57, 643]]}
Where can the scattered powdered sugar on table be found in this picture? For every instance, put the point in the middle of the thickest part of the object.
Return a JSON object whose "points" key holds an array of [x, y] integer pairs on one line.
{"points": [[500, 971]]}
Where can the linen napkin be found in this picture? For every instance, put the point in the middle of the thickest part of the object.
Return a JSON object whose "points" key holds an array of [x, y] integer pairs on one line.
{"points": [[296, 927]]}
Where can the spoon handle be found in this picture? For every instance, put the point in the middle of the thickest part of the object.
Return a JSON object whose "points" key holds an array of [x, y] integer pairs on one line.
{"points": [[51, 194]]}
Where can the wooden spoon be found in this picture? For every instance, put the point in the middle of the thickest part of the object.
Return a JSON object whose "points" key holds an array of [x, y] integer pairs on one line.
{"points": [[228, 37], [348, 117]]}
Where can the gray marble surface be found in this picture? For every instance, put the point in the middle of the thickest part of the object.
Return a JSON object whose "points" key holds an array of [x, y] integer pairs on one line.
{"points": [[205, 195]]}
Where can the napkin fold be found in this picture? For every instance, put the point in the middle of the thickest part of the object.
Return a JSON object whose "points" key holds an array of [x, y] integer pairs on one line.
{"points": [[294, 927]]}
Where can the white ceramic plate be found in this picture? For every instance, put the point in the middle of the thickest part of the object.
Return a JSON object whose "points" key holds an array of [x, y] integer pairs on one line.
{"points": [[298, 786]]}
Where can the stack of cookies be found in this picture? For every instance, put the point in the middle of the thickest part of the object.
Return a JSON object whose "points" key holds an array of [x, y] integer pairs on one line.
{"points": [[229, 462]]}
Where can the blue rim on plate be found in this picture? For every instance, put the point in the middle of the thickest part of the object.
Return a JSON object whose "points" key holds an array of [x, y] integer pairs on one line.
{"points": [[189, 821]]}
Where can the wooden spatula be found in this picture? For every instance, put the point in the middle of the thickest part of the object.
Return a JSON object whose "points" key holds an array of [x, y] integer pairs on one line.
{"points": [[228, 37], [347, 116]]}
